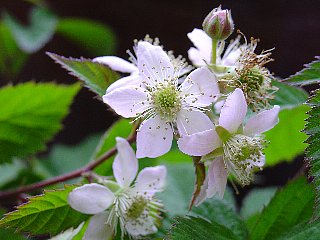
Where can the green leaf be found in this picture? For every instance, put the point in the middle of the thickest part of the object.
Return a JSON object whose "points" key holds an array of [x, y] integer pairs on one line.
{"points": [[63, 158], [179, 189], [290, 206], [97, 38], [33, 37], [312, 129], [121, 128], [256, 200], [97, 77], [47, 213], [31, 115], [200, 229], [10, 172], [309, 75], [11, 57], [286, 138], [221, 212], [303, 231], [288, 96]]}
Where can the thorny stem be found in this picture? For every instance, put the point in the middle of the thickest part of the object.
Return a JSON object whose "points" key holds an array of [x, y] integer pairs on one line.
{"points": [[73, 174]]}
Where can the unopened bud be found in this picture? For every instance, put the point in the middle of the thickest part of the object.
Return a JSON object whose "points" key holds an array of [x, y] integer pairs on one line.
{"points": [[218, 24]]}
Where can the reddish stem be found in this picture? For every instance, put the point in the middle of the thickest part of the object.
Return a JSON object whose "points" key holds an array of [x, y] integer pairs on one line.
{"points": [[74, 174]]}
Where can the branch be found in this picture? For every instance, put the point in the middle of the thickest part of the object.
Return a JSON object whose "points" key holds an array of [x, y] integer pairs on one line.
{"points": [[73, 174]]}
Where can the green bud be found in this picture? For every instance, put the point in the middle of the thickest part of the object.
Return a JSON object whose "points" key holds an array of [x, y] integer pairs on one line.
{"points": [[218, 24]]}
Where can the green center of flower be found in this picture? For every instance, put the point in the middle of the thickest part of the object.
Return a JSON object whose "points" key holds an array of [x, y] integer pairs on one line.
{"points": [[252, 79], [139, 204], [166, 101], [244, 153]]}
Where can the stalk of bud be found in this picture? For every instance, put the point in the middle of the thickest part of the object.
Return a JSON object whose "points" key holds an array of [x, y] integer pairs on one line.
{"points": [[218, 24]]}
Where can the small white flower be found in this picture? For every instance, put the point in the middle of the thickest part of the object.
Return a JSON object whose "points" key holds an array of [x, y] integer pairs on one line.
{"points": [[161, 103], [200, 55], [240, 147], [133, 207]]}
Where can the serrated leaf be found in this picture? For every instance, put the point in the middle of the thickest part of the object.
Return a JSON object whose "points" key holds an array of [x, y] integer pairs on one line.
{"points": [[309, 75], [30, 115], [97, 38], [43, 214], [11, 57], [33, 37], [288, 96], [286, 138], [290, 206], [219, 211], [312, 129], [303, 231], [97, 77], [200, 229]]}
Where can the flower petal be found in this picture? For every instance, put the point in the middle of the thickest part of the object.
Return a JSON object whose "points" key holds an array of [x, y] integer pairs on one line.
{"points": [[98, 229], [217, 175], [189, 122], [199, 144], [134, 80], [116, 64], [233, 111], [90, 198], [125, 164], [262, 122], [195, 57], [151, 180], [154, 138], [201, 41], [127, 101], [200, 87], [141, 227], [153, 63]]}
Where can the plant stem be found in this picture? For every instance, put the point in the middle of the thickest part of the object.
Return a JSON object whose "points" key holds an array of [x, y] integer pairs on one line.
{"points": [[73, 174], [214, 51]]}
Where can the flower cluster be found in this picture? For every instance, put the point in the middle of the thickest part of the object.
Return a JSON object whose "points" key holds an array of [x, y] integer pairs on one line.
{"points": [[208, 110]]}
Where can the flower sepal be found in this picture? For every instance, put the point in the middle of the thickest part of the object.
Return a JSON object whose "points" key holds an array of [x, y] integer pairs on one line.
{"points": [[223, 133]]}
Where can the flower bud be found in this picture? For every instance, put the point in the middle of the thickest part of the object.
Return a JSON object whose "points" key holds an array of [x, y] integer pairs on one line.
{"points": [[218, 24]]}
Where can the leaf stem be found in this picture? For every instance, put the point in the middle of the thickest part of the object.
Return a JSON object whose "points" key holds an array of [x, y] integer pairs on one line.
{"points": [[73, 174]]}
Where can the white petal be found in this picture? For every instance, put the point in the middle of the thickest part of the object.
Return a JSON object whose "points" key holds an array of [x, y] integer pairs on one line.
{"points": [[90, 198], [125, 164], [127, 101], [189, 122], [151, 180], [154, 138], [203, 193], [141, 227], [196, 58], [233, 111], [153, 63], [199, 144], [98, 229], [116, 64], [262, 122], [217, 175], [201, 41], [132, 80], [232, 58], [201, 86]]}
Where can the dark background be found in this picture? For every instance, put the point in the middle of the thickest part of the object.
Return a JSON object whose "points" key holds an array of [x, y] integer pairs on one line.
{"points": [[292, 27]]}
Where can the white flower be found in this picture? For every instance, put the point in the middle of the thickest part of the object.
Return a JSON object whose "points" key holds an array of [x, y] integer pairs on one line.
{"points": [[241, 147], [134, 207], [124, 66], [163, 104], [200, 55]]}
